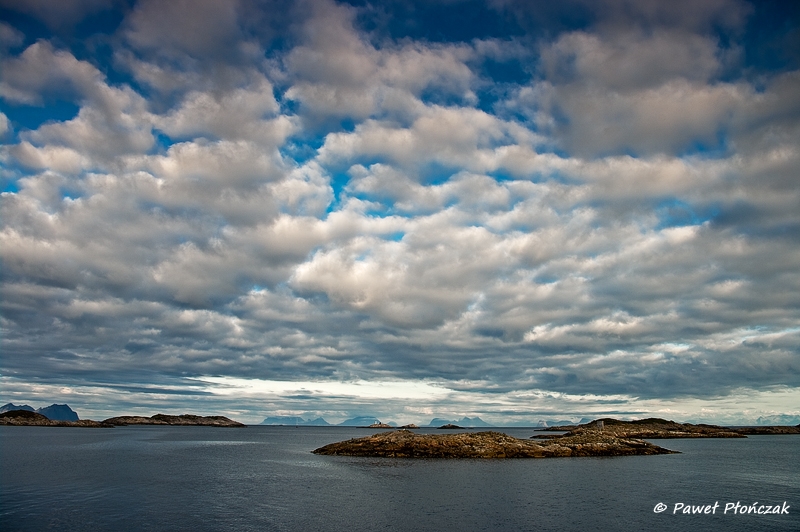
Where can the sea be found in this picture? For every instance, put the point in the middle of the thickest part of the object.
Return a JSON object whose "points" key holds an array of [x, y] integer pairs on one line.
{"points": [[263, 478]]}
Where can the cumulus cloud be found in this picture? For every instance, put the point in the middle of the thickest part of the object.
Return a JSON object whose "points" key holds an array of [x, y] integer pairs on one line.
{"points": [[329, 206], [338, 73], [41, 70], [239, 113]]}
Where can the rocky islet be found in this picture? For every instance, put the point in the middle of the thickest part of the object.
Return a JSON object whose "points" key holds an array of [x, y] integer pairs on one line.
{"points": [[487, 444]]}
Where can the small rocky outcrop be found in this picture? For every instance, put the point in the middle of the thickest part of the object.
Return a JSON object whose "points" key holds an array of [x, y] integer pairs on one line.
{"points": [[380, 426], [451, 426], [164, 419], [406, 444], [409, 426], [650, 428], [35, 419]]}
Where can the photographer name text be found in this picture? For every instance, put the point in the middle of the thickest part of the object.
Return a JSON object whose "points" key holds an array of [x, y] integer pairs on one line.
{"points": [[732, 507]]}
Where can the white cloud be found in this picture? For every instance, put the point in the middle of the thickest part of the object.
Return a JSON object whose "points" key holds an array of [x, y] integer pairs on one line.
{"points": [[633, 60], [42, 70], [56, 158], [455, 137], [116, 123], [240, 113], [338, 73]]}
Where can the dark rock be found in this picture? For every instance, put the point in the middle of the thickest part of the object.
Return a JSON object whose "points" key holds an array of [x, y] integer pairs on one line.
{"points": [[23, 415], [406, 444], [451, 426]]}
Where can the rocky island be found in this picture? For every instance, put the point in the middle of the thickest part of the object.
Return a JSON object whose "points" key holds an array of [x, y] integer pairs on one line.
{"points": [[406, 444], [657, 428], [35, 419], [164, 419], [650, 428]]}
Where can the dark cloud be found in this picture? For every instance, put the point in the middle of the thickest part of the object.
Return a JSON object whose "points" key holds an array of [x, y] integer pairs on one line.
{"points": [[199, 29], [59, 16], [613, 15]]}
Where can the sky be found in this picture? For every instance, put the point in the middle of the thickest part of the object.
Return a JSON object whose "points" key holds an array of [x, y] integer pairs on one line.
{"points": [[517, 210]]}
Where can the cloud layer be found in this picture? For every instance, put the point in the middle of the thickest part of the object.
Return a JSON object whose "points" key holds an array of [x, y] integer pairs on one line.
{"points": [[554, 217]]}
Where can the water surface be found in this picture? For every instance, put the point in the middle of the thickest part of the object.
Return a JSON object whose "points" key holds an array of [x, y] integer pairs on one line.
{"points": [[265, 478]]}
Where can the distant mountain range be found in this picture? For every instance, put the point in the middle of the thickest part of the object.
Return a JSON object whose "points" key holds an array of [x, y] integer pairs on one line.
{"points": [[366, 421], [53, 412], [295, 420], [779, 419]]}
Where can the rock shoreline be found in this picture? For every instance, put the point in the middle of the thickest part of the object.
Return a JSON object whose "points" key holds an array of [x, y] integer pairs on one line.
{"points": [[774, 429], [490, 444], [34, 419]]}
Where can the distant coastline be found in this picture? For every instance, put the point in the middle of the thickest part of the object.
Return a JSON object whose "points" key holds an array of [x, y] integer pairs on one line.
{"points": [[61, 415], [657, 428], [35, 419]]}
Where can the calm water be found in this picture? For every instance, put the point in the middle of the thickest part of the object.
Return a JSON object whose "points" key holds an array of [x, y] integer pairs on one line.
{"points": [[265, 478]]}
